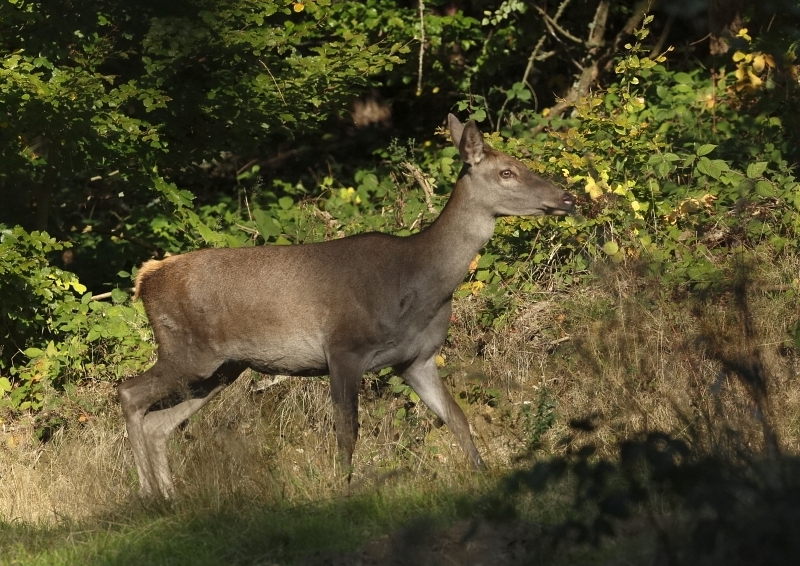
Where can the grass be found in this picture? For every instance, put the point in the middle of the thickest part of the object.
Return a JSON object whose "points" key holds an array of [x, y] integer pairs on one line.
{"points": [[240, 530], [567, 382]]}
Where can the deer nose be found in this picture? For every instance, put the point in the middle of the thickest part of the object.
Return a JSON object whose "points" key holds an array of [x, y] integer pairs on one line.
{"points": [[568, 200]]}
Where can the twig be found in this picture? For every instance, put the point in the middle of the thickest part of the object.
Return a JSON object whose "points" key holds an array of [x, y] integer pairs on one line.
{"points": [[553, 22], [267, 382], [251, 231], [246, 166], [273, 80], [414, 171], [103, 296], [553, 343], [416, 222], [116, 233], [662, 39], [421, 45]]}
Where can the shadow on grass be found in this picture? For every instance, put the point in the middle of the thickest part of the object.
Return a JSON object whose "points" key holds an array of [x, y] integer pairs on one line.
{"points": [[720, 491]]}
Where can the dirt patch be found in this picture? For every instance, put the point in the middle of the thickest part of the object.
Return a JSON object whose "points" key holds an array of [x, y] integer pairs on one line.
{"points": [[466, 543]]}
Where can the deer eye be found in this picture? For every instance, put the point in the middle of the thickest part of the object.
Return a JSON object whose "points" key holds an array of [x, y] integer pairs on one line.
{"points": [[506, 173]]}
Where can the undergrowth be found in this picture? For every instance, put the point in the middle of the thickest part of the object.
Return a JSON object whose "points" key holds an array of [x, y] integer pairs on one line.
{"points": [[635, 417]]}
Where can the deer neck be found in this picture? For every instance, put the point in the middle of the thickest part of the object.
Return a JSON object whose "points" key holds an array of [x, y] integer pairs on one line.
{"points": [[448, 245]]}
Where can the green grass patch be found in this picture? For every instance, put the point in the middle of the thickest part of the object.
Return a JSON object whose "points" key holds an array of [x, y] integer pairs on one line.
{"points": [[233, 532]]}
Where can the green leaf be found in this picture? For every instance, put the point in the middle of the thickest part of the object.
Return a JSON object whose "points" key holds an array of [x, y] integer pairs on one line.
{"points": [[755, 170], [479, 115], [765, 189], [205, 232], [119, 296], [33, 352], [5, 385], [610, 247], [705, 149], [267, 226], [486, 260], [712, 167]]}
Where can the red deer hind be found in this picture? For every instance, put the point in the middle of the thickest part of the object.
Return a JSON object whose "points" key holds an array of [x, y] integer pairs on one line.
{"points": [[339, 308]]}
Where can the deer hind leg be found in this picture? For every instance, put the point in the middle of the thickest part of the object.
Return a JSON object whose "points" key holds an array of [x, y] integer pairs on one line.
{"points": [[423, 377], [154, 404], [345, 377]]}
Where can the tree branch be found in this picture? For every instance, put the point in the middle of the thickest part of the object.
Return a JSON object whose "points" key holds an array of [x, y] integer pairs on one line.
{"points": [[552, 23], [534, 56], [598, 58]]}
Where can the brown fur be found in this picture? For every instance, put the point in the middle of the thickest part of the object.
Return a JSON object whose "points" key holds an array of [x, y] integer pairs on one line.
{"points": [[146, 269]]}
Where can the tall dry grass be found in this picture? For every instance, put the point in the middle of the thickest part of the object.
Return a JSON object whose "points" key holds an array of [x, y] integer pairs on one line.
{"points": [[83, 470], [625, 354]]}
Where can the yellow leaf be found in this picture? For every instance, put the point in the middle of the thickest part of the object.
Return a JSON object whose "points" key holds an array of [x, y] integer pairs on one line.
{"points": [[594, 190], [476, 287], [754, 80], [738, 56], [758, 63], [708, 200], [473, 265], [298, 7], [688, 206], [80, 288], [439, 359]]}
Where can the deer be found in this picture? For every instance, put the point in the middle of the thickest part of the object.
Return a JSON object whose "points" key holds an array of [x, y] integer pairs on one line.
{"points": [[341, 308]]}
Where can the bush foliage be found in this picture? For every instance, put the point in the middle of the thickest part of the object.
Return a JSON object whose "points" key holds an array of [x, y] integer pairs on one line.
{"points": [[143, 130]]}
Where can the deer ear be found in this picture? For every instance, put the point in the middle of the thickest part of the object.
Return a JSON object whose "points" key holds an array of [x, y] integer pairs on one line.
{"points": [[470, 145], [456, 129]]}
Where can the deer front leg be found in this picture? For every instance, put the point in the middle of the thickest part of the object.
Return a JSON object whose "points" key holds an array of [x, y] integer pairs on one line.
{"points": [[423, 377]]}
